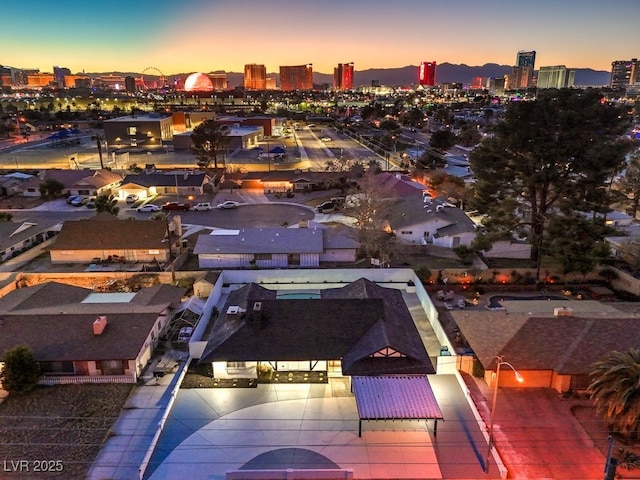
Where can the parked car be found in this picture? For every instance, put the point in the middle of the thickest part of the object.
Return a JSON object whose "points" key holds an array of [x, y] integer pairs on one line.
{"points": [[91, 204], [227, 205], [71, 198], [326, 139], [132, 198], [176, 206], [79, 201], [326, 207], [149, 207], [202, 206]]}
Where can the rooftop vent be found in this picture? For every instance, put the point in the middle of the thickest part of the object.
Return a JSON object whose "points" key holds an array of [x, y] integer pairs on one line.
{"points": [[99, 324], [562, 312], [257, 306]]}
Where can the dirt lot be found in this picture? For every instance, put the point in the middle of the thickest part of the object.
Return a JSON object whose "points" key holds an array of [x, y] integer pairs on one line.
{"points": [[19, 202], [63, 425]]}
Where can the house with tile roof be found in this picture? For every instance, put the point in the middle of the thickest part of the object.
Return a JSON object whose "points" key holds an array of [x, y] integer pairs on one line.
{"points": [[79, 336], [359, 329], [105, 237], [76, 182], [183, 183], [551, 343]]}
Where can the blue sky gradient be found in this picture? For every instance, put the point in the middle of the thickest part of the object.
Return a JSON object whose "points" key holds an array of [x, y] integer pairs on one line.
{"points": [[208, 35]]}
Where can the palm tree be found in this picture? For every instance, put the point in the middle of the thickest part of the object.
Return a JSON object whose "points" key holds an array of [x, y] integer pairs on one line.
{"points": [[107, 203], [615, 390]]}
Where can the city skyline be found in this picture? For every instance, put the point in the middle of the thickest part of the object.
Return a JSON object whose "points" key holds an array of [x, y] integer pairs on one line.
{"points": [[200, 35]]}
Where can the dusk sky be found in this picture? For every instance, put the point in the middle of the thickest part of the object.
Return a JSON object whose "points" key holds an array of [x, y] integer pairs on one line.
{"points": [[209, 35]]}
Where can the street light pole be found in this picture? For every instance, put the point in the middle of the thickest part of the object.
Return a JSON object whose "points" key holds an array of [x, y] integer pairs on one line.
{"points": [[499, 363]]}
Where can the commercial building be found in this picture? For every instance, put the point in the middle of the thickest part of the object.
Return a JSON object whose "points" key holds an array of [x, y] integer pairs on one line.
{"points": [[110, 82], [60, 73], [138, 131], [298, 77], [343, 76], [624, 72], [219, 80], [255, 77], [522, 74], [427, 74], [557, 76], [36, 80]]}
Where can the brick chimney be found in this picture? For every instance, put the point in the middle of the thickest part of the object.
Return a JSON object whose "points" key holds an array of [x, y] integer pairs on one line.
{"points": [[99, 324]]}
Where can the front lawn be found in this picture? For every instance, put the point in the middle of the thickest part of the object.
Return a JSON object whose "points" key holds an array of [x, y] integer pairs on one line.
{"points": [[64, 423]]}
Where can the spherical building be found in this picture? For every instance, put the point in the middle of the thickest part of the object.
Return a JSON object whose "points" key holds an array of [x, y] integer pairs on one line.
{"points": [[198, 82]]}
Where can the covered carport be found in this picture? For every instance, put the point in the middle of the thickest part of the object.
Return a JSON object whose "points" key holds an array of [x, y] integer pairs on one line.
{"points": [[395, 397]]}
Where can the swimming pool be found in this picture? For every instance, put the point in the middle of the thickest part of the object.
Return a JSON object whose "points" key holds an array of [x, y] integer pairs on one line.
{"points": [[494, 302]]}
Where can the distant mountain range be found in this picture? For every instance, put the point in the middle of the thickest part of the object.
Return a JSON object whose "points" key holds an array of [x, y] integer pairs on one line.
{"points": [[445, 73]]}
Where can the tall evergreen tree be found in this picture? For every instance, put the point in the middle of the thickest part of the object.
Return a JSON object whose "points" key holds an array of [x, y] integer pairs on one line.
{"points": [[209, 142], [557, 152]]}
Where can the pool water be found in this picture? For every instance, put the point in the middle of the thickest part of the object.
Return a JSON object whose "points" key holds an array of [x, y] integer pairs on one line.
{"points": [[494, 302], [297, 295]]}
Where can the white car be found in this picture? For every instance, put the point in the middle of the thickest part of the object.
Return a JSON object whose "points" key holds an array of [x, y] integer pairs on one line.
{"points": [[202, 206], [131, 198], [149, 207], [227, 205], [326, 139]]}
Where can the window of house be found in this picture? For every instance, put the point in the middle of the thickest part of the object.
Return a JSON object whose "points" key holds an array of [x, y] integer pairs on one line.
{"points": [[294, 259], [132, 130], [57, 367], [154, 252], [406, 232], [31, 190], [456, 241], [262, 256], [236, 365], [112, 367]]}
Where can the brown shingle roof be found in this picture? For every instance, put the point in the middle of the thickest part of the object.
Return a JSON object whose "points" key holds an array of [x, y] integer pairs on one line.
{"points": [[107, 232], [64, 337], [567, 345]]}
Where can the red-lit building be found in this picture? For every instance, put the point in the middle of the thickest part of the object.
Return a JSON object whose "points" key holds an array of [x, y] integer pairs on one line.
{"points": [[427, 74], [343, 76], [255, 77], [299, 77]]}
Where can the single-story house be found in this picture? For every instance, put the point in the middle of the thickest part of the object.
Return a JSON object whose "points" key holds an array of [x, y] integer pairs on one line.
{"points": [[274, 247], [287, 180], [79, 182], [359, 329], [184, 184], [75, 332], [101, 182], [551, 343], [340, 243], [105, 237], [395, 185], [419, 220], [11, 183], [17, 237]]}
